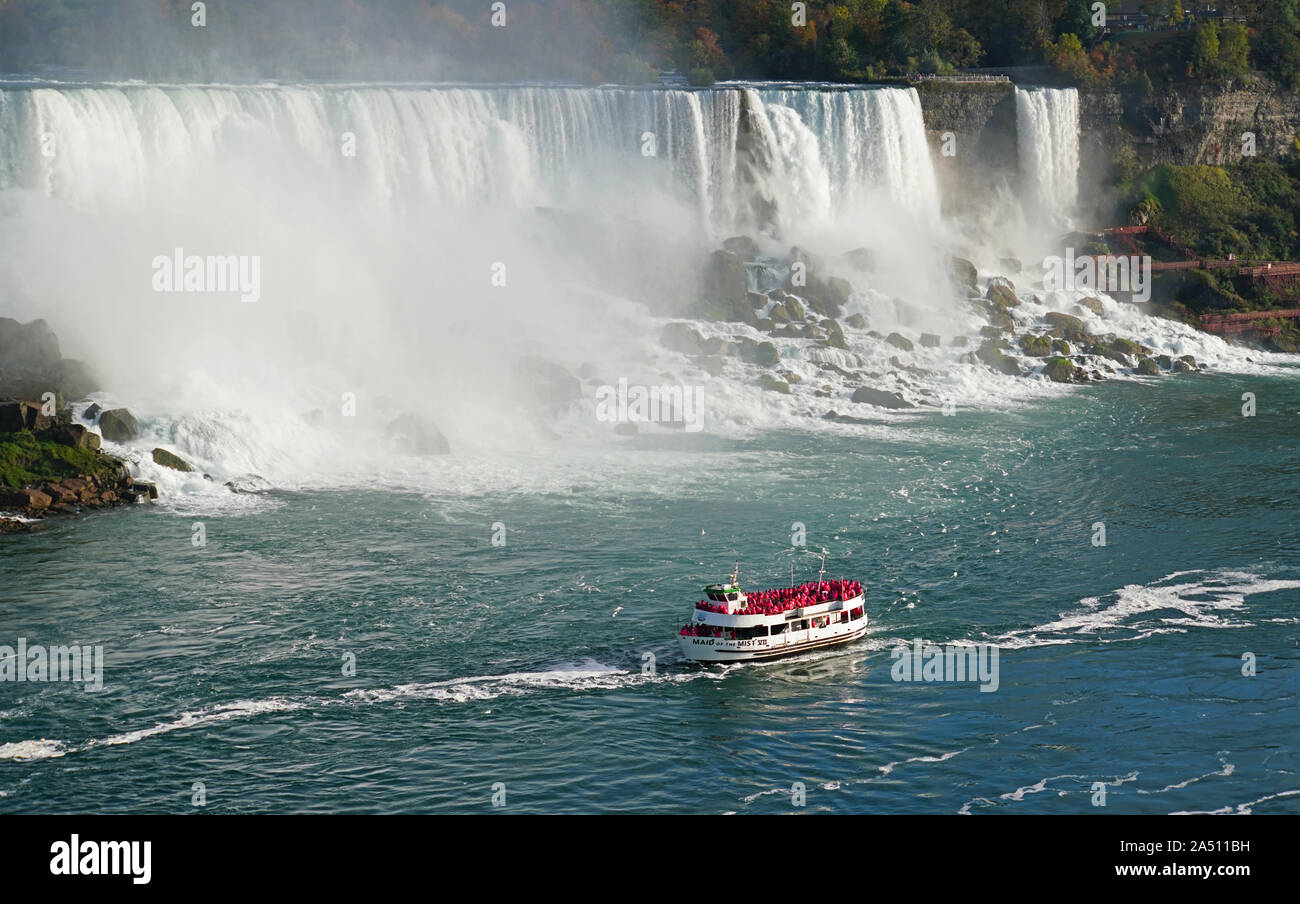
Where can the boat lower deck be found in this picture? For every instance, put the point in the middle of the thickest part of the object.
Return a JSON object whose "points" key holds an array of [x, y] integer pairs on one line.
{"points": [[717, 649]]}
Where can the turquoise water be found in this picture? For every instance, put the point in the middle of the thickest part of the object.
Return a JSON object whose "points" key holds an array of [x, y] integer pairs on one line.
{"points": [[478, 664]]}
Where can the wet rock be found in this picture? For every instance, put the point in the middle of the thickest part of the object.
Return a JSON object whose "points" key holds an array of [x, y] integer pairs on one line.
{"points": [[835, 336], [900, 342], [119, 425], [1066, 326], [865, 395], [1062, 347], [1094, 305], [1036, 346], [246, 483], [965, 274], [861, 258], [766, 354], [930, 340], [742, 246], [1061, 370], [772, 384], [1148, 367], [960, 341], [857, 321], [74, 435], [171, 460], [725, 290], [27, 501], [994, 357]]}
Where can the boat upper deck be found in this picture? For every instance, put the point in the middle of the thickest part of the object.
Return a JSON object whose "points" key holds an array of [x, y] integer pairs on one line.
{"points": [[785, 599]]}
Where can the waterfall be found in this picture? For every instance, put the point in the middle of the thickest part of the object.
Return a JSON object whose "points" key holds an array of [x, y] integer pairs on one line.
{"points": [[823, 151], [1047, 120]]}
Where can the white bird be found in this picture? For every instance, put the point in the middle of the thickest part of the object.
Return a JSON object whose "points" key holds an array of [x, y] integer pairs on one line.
{"points": [[616, 612]]}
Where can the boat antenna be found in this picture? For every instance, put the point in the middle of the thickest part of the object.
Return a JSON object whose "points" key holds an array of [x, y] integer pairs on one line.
{"points": [[822, 572], [735, 575]]}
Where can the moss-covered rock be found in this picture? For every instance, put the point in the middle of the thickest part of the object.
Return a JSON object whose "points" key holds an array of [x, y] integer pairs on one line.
{"points": [[1148, 367], [1060, 370], [1062, 347], [772, 384], [1036, 346], [900, 342], [1125, 346], [26, 459]]}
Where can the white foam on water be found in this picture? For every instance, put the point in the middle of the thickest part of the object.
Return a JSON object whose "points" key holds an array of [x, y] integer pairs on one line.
{"points": [[24, 751], [1228, 769], [222, 712], [889, 767], [1245, 809], [1216, 601]]}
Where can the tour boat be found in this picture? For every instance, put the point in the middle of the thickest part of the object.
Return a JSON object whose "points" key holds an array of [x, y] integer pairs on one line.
{"points": [[735, 626]]}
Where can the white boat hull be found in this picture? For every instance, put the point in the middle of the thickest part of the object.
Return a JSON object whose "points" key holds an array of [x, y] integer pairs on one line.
{"points": [[721, 649]]}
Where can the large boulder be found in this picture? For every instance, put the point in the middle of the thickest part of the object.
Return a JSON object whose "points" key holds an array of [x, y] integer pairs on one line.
{"points": [[30, 502], [13, 416], [965, 274], [865, 395], [1148, 368], [742, 246], [1067, 326], [772, 384], [1094, 305], [417, 435], [74, 435], [900, 342], [725, 289], [1036, 346], [118, 425], [1060, 370], [1002, 293], [171, 460], [992, 355]]}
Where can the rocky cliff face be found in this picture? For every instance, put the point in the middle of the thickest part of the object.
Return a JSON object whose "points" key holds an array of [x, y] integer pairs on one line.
{"points": [[1119, 129]]}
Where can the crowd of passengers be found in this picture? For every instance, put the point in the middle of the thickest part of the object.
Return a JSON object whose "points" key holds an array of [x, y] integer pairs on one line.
{"points": [[783, 599]]}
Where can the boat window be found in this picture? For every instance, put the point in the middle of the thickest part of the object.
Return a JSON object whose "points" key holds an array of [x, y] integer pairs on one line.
{"points": [[856, 614], [801, 625], [844, 616], [779, 629]]}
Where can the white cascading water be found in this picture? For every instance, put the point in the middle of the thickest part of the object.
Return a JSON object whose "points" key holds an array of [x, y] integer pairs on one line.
{"points": [[1047, 121], [463, 146], [379, 212]]}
